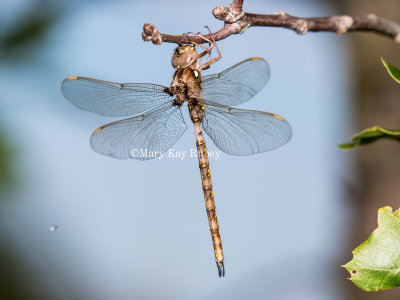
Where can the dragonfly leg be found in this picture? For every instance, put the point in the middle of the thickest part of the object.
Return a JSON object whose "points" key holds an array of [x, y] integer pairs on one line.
{"points": [[212, 43], [207, 50], [194, 43]]}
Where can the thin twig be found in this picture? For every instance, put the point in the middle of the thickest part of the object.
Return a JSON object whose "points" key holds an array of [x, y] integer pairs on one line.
{"points": [[237, 21]]}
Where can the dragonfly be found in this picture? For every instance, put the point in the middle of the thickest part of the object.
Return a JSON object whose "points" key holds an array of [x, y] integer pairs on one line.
{"points": [[156, 121]]}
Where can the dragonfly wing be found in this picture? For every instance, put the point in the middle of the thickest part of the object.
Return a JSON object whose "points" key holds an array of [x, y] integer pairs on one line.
{"points": [[113, 99], [245, 132], [142, 137], [237, 84]]}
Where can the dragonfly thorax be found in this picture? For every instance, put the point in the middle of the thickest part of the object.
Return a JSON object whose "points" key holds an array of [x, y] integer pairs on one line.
{"points": [[184, 56], [186, 85]]}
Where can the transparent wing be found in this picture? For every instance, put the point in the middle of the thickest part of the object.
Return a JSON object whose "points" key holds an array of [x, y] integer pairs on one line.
{"points": [[244, 132], [237, 84], [142, 137], [113, 99]]}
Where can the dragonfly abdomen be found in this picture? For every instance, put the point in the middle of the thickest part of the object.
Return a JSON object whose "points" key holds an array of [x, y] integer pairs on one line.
{"points": [[204, 166]]}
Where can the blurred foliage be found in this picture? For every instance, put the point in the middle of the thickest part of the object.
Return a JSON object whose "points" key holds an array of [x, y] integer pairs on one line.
{"points": [[17, 44], [19, 277], [7, 171], [375, 263], [372, 134], [28, 31]]}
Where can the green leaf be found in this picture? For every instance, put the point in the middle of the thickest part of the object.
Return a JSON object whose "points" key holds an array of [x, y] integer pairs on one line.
{"points": [[393, 71], [370, 135], [376, 263]]}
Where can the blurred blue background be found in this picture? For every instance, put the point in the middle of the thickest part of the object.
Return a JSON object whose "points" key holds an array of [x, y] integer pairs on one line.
{"points": [[138, 230]]}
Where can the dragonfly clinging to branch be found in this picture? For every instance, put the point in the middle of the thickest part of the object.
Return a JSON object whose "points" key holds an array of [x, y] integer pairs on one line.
{"points": [[157, 121]]}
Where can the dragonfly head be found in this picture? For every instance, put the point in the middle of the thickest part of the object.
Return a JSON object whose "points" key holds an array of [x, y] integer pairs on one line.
{"points": [[184, 56]]}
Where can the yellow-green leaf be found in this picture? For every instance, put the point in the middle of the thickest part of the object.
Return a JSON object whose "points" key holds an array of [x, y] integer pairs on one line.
{"points": [[376, 263], [393, 71], [370, 135]]}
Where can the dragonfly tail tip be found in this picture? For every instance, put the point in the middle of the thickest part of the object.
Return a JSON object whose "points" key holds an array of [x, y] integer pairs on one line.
{"points": [[221, 269]]}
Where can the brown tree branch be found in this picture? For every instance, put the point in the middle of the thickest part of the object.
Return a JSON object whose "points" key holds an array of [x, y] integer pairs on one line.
{"points": [[236, 5], [237, 21]]}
